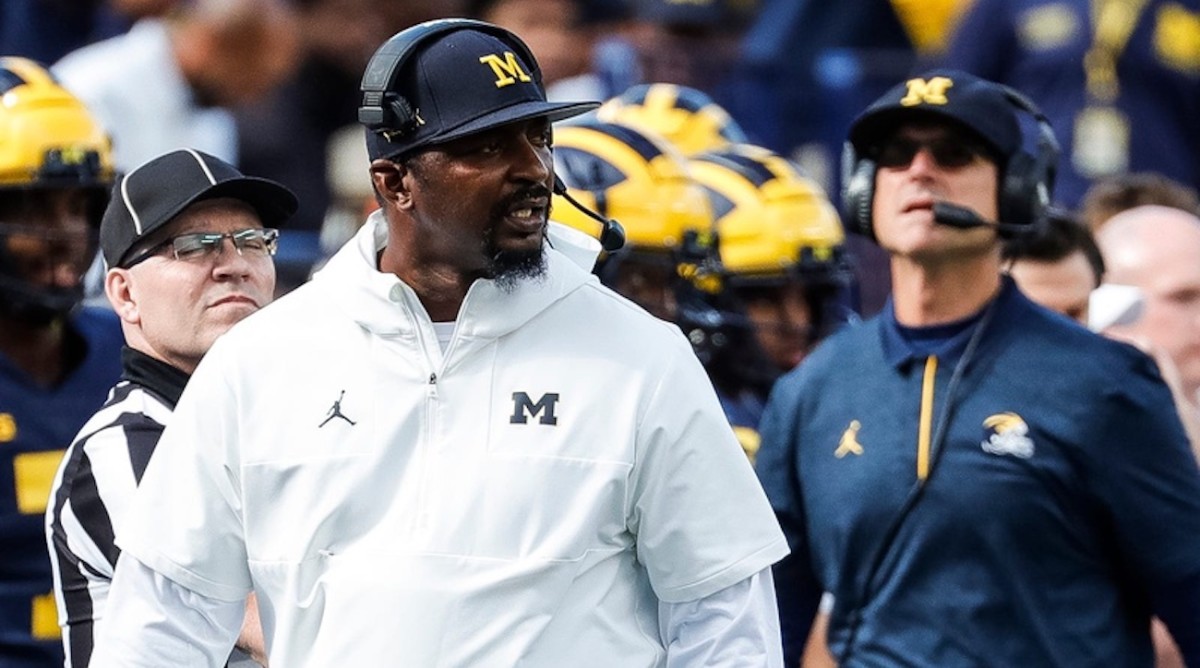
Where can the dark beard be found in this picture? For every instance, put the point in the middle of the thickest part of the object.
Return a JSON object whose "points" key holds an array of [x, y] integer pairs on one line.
{"points": [[508, 268]]}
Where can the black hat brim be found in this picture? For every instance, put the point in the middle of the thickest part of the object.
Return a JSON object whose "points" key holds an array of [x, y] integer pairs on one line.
{"points": [[552, 111], [274, 203]]}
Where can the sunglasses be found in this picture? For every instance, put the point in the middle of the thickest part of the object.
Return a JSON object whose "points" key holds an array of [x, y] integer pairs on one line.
{"points": [[204, 246], [949, 152]]}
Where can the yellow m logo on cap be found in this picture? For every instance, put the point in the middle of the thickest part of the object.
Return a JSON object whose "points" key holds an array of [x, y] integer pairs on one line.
{"points": [[921, 91], [507, 69]]}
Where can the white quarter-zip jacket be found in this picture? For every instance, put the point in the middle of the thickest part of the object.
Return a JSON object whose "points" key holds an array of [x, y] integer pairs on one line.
{"points": [[529, 497]]}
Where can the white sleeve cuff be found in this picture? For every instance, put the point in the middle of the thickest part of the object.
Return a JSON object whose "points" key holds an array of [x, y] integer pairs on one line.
{"points": [[736, 626]]}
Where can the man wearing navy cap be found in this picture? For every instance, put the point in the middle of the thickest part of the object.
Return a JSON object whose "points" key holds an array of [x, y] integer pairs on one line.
{"points": [[976, 480], [459, 449], [188, 257]]}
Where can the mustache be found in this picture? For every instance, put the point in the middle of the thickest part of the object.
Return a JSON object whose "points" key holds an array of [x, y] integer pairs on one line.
{"points": [[527, 194]]}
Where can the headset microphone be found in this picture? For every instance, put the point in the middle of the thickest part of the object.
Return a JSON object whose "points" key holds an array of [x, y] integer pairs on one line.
{"points": [[963, 218], [953, 215], [612, 236]]}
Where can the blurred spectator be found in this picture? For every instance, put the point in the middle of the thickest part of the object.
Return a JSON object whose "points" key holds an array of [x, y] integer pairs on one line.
{"points": [[171, 82], [1157, 250], [351, 198], [46, 30], [559, 34], [285, 137], [688, 43], [1112, 195], [808, 66], [929, 23], [140, 9], [1057, 265], [1118, 79]]}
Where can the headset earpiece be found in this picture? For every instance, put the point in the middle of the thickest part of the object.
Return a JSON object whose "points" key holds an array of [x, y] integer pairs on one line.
{"points": [[858, 191], [392, 116], [1028, 178], [402, 118]]}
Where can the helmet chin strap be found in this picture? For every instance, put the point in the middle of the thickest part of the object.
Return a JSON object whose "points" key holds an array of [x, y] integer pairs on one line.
{"points": [[27, 303]]}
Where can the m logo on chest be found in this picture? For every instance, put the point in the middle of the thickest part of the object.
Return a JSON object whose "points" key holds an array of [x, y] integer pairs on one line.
{"points": [[525, 408]]}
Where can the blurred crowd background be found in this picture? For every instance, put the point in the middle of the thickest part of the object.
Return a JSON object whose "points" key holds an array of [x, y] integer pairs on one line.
{"points": [[719, 148], [272, 85]]}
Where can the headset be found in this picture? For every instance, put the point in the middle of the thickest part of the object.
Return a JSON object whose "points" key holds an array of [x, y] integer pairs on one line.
{"points": [[612, 234], [1023, 191], [388, 113]]}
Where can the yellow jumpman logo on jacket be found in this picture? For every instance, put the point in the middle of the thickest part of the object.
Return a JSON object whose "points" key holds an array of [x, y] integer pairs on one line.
{"points": [[849, 443]]}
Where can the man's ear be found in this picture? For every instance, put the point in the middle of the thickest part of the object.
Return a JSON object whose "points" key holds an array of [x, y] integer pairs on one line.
{"points": [[388, 179], [118, 287]]}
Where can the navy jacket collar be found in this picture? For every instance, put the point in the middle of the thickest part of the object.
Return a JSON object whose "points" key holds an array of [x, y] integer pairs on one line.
{"points": [[898, 351]]}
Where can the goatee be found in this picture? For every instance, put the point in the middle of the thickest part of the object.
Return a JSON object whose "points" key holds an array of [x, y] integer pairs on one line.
{"points": [[509, 268]]}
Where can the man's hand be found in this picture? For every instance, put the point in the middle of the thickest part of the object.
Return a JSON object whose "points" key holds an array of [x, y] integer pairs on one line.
{"points": [[250, 640]]}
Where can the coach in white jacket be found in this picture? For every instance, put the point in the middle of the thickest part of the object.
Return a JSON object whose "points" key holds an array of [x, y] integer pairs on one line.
{"points": [[459, 448]]}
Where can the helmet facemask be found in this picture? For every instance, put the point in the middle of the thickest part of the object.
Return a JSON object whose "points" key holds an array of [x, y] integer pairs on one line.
{"points": [[55, 174]]}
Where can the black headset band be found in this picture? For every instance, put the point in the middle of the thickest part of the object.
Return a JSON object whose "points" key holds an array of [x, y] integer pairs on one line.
{"points": [[389, 59], [1045, 130]]}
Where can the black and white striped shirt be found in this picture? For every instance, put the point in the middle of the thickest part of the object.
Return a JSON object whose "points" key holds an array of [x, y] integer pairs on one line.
{"points": [[94, 485]]}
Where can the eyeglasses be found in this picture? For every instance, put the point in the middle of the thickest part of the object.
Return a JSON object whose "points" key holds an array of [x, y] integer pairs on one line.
{"points": [[948, 152], [203, 246]]}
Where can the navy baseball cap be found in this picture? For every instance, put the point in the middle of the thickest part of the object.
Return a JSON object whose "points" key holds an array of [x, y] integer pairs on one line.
{"points": [[152, 194], [464, 82], [981, 106]]}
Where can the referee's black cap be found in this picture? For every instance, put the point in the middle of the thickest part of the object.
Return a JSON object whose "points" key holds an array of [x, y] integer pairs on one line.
{"points": [[150, 195]]}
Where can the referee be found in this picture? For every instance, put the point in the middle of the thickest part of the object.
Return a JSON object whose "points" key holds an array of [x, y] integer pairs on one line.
{"points": [[176, 285]]}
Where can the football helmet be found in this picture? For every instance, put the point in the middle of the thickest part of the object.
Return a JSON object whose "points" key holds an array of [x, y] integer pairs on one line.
{"points": [[638, 179], [53, 156], [632, 176], [781, 245], [686, 117], [772, 221]]}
